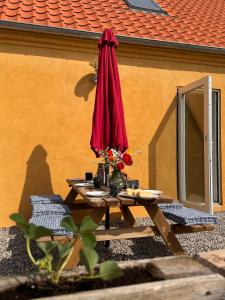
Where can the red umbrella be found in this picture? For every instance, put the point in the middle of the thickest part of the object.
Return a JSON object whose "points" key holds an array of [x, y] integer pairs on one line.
{"points": [[108, 126]]}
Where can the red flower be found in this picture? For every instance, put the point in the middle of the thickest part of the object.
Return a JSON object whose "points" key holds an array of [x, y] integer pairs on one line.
{"points": [[111, 158], [110, 153], [127, 159], [120, 166]]}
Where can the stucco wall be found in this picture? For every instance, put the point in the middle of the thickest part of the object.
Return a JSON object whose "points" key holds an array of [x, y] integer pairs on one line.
{"points": [[47, 100]]}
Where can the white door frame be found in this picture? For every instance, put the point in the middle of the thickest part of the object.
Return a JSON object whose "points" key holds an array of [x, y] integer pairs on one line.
{"points": [[206, 84]]}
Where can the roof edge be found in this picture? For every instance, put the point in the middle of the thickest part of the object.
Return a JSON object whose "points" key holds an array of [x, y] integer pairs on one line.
{"points": [[122, 38]]}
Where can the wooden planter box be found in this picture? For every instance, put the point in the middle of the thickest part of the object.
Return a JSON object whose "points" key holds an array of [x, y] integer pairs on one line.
{"points": [[180, 277]]}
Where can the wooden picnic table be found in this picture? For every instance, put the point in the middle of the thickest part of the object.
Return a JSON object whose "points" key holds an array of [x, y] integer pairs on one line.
{"points": [[100, 206]]}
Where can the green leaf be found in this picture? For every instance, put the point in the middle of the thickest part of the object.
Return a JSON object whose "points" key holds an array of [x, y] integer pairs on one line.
{"points": [[89, 258], [69, 224], [87, 225], [36, 232], [20, 222], [64, 249], [110, 270], [47, 247], [88, 239]]}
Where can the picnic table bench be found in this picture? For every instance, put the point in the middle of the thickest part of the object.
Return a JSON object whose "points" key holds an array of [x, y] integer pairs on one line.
{"points": [[100, 207]]}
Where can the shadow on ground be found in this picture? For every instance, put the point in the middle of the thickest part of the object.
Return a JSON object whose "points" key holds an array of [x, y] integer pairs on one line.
{"points": [[14, 259]]}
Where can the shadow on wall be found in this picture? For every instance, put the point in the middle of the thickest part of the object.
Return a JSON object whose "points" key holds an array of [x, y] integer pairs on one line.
{"points": [[38, 179], [163, 154], [84, 86]]}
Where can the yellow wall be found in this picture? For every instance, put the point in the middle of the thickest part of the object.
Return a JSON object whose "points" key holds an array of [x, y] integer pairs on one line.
{"points": [[47, 101]]}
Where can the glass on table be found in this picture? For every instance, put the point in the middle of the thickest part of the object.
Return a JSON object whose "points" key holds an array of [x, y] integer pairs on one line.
{"points": [[88, 176], [132, 184]]}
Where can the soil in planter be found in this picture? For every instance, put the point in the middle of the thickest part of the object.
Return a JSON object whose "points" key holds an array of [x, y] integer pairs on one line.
{"points": [[34, 290]]}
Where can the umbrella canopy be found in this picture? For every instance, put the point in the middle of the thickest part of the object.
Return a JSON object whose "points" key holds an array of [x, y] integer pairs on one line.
{"points": [[108, 125]]}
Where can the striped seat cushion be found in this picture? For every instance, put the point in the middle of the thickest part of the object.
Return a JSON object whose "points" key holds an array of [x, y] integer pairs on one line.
{"points": [[51, 222], [45, 199], [186, 216], [50, 209]]}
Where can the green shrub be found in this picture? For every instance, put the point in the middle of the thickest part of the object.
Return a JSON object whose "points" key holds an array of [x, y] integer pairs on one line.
{"points": [[53, 267]]}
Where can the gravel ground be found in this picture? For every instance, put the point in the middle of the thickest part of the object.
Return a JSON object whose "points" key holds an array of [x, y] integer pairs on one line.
{"points": [[14, 260]]}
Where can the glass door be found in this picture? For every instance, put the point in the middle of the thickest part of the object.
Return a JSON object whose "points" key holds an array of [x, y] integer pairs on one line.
{"points": [[195, 145]]}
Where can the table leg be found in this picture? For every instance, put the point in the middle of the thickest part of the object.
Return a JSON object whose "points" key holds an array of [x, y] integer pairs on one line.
{"points": [[97, 215], [163, 227], [129, 219], [107, 225], [70, 197]]}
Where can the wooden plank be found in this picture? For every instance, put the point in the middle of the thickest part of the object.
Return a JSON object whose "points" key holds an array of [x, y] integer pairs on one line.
{"points": [[80, 206], [136, 232], [126, 201], [111, 201], [82, 190], [163, 227], [215, 260], [165, 199], [177, 228], [70, 198], [126, 233], [128, 216], [129, 201], [95, 202], [71, 182], [75, 257], [203, 287], [97, 214]]}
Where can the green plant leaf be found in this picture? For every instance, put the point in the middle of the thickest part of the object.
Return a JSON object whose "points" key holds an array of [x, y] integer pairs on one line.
{"points": [[20, 222], [36, 232], [89, 258], [110, 270], [47, 247], [64, 249], [88, 239], [87, 225], [69, 224]]}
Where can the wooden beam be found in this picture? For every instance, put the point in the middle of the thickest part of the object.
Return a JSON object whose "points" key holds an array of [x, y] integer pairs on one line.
{"points": [[146, 231], [163, 226], [128, 216], [80, 206], [70, 198], [126, 233]]}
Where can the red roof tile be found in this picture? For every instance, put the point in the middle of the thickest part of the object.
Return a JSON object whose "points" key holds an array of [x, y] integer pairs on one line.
{"points": [[195, 22]]}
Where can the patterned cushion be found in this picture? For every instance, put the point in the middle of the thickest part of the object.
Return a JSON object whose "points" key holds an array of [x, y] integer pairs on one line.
{"points": [[187, 216], [51, 222], [45, 199], [170, 206], [49, 209]]}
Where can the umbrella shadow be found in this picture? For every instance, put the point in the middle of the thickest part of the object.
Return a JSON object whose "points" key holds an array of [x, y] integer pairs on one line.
{"points": [[37, 181], [85, 86], [162, 152]]}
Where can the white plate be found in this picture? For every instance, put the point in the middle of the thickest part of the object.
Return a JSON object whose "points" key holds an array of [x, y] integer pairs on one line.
{"points": [[84, 184], [156, 192], [97, 194]]}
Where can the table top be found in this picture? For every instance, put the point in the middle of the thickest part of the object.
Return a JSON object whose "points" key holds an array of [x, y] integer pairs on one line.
{"points": [[110, 201]]}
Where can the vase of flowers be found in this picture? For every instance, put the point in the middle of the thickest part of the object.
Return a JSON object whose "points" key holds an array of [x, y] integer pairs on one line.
{"points": [[117, 161]]}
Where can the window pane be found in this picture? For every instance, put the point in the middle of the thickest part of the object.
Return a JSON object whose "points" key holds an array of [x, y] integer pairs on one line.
{"points": [[194, 146], [144, 4]]}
